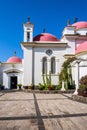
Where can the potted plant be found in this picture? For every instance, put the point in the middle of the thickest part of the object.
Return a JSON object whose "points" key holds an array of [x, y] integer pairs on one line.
{"points": [[19, 85], [32, 86], [41, 86], [26, 87], [51, 87]]}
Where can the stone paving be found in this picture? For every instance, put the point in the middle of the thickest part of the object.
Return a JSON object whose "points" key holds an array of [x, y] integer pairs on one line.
{"points": [[34, 111]]}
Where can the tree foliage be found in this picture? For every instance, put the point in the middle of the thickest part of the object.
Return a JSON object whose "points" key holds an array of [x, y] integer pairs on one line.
{"points": [[83, 80], [65, 73]]}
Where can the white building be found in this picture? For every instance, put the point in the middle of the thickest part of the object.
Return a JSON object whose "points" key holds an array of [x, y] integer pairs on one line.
{"points": [[45, 53]]}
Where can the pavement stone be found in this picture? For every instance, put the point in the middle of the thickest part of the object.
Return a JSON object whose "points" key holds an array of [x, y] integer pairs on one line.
{"points": [[39, 111]]}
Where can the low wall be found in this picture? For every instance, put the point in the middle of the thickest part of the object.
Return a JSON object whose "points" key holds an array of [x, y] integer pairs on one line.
{"points": [[79, 98]]}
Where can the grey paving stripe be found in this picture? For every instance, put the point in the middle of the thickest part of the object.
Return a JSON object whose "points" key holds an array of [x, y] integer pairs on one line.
{"points": [[39, 117], [32, 99]]}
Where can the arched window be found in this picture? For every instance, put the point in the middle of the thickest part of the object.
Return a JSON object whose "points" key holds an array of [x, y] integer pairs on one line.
{"points": [[28, 36], [44, 65], [53, 65]]}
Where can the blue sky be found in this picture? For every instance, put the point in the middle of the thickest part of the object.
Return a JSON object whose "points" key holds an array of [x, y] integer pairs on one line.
{"points": [[49, 14]]}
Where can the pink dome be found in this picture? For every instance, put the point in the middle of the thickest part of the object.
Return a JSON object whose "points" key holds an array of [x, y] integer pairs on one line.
{"points": [[80, 25], [45, 37], [14, 59], [82, 47]]}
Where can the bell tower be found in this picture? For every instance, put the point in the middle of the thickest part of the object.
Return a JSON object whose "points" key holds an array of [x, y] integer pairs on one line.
{"points": [[28, 31]]}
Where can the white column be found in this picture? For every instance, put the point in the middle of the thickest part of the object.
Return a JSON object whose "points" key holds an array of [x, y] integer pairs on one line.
{"points": [[77, 78], [63, 89]]}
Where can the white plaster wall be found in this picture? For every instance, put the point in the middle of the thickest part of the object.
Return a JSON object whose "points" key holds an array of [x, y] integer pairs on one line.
{"points": [[27, 80], [82, 56], [82, 31], [28, 28], [71, 30], [68, 30], [83, 71], [73, 70], [39, 53], [82, 67], [5, 68], [71, 45], [83, 64], [6, 81]]}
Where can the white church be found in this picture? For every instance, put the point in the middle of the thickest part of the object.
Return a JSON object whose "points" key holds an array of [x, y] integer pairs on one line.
{"points": [[46, 52]]}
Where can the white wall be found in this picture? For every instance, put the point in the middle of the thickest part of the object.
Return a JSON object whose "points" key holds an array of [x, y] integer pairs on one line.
{"points": [[39, 54], [70, 45], [69, 30], [82, 31], [27, 66], [6, 72], [82, 67]]}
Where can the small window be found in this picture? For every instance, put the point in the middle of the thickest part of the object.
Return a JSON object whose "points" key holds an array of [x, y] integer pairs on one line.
{"points": [[28, 28], [28, 36], [49, 52], [44, 65], [53, 65]]}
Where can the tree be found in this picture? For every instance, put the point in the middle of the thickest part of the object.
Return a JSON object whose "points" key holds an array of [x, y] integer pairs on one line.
{"points": [[65, 74]]}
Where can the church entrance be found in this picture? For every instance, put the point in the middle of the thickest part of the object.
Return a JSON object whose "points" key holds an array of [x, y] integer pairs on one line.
{"points": [[13, 82]]}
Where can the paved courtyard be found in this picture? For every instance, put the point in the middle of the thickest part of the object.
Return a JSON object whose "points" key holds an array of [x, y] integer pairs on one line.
{"points": [[34, 111]]}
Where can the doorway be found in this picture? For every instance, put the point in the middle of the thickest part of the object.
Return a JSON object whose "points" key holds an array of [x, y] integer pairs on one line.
{"points": [[13, 82]]}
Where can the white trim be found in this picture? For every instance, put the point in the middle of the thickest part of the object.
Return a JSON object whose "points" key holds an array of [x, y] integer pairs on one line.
{"points": [[12, 70]]}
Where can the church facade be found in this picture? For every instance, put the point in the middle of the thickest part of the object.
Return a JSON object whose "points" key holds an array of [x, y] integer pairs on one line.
{"points": [[46, 53]]}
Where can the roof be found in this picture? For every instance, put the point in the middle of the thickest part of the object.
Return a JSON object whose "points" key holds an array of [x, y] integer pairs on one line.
{"points": [[80, 25], [14, 59], [45, 37], [82, 47]]}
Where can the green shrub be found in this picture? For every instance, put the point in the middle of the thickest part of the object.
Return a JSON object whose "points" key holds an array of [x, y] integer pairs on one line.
{"points": [[46, 80], [19, 85], [58, 87], [83, 83], [41, 86], [52, 87], [82, 87], [71, 86], [65, 73]]}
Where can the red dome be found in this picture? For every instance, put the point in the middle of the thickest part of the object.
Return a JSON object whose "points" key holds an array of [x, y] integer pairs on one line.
{"points": [[82, 48], [45, 37], [80, 25], [14, 59]]}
